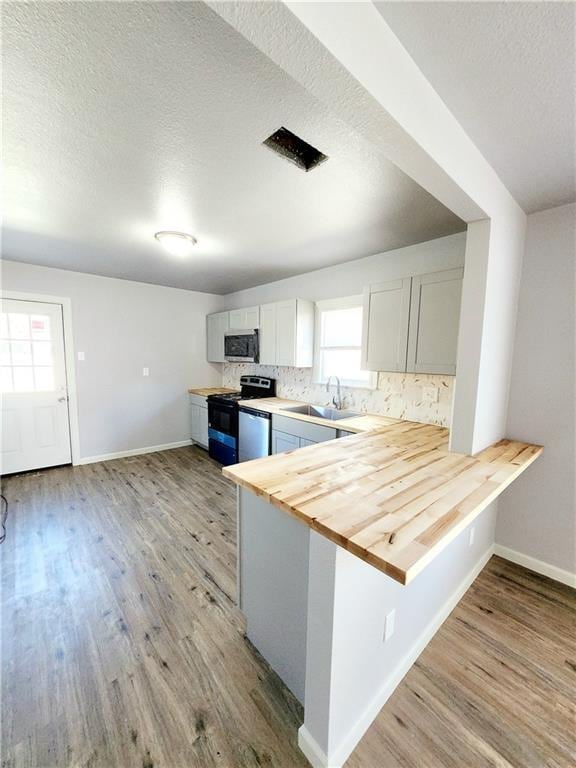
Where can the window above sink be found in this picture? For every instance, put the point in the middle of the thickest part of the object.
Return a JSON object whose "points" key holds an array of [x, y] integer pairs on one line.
{"points": [[338, 343]]}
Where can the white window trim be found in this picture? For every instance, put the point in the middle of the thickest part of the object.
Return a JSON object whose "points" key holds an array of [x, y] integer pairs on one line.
{"points": [[344, 302]]}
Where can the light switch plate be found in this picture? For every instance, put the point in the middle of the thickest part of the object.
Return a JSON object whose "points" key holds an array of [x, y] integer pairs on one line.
{"points": [[81, 356], [389, 623], [430, 394], [145, 371]]}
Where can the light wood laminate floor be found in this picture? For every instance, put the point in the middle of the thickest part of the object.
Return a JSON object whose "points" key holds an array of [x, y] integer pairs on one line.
{"points": [[122, 646]]}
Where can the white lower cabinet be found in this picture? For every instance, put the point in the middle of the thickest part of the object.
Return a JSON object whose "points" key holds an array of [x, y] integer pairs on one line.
{"points": [[199, 420], [289, 434], [282, 441]]}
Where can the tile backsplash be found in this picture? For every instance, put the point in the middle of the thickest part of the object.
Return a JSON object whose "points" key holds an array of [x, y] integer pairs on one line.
{"points": [[399, 395]]}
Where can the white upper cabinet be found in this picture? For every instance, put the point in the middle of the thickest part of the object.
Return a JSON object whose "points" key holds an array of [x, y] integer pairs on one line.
{"points": [[412, 324], [385, 326], [268, 334], [287, 333], [244, 319], [216, 326], [434, 319]]}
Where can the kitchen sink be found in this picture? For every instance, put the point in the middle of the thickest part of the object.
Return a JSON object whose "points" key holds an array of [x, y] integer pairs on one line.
{"points": [[322, 412]]}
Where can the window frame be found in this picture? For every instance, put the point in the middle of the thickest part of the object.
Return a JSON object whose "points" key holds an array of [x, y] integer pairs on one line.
{"points": [[343, 302]]}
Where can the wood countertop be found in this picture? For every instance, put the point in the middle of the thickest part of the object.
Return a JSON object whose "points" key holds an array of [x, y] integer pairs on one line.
{"points": [[365, 423], [206, 391], [394, 496]]}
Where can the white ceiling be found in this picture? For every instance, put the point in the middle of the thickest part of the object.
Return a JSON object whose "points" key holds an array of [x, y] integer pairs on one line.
{"points": [[506, 70], [121, 119]]}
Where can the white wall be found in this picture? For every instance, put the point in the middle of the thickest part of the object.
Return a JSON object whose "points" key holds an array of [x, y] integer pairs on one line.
{"points": [[352, 277], [350, 671], [537, 514], [122, 326]]}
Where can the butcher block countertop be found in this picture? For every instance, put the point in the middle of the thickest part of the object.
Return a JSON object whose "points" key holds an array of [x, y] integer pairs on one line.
{"points": [[207, 391], [394, 496]]}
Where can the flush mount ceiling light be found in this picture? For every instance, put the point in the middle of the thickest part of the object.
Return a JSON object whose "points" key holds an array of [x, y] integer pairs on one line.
{"points": [[176, 243]]}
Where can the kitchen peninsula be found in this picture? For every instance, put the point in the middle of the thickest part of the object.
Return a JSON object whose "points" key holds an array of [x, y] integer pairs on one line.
{"points": [[351, 554]]}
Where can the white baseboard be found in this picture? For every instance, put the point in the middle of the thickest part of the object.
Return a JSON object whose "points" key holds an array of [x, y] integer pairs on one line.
{"points": [[309, 746], [538, 566], [316, 756], [133, 452]]}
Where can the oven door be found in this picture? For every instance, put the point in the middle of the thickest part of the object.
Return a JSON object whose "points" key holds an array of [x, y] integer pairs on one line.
{"points": [[223, 432], [223, 417], [241, 346]]}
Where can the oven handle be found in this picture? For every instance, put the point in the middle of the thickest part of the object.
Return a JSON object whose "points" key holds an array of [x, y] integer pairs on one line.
{"points": [[223, 406]]}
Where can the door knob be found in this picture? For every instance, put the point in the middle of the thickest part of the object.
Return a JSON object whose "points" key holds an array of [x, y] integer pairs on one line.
{"points": [[62, 399]]}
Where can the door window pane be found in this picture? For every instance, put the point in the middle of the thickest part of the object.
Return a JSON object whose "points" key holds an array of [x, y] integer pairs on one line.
{"points": [[44, 379], [21, 352], [6, 384], [23, 379], [19, 326], [40, 327], [42, 352], [5, 353], [4, 334]]}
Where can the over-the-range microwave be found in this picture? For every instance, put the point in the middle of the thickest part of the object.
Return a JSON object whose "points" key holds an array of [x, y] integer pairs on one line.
{"points": [[241, 346]]}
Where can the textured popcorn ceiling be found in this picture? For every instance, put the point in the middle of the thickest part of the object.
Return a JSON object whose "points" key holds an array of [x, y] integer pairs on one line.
{"points": [[506, 71], [121, 119]]}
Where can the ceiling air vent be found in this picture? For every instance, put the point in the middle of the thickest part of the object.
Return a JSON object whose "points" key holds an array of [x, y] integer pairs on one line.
{"points": [[293, 148]]}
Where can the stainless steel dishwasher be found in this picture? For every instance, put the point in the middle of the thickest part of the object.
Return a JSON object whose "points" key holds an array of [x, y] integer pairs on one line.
{"points": [[254, 428]]}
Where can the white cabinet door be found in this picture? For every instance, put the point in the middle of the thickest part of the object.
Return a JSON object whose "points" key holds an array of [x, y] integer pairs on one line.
{"points": [[244, 319], [281, 442], [216, 326], [286, 332], [385, 331], [252, 317], [199, 421], [195, 422], [268, 334], [236, 318], [304, 442], [434, 320], [203, 428]]}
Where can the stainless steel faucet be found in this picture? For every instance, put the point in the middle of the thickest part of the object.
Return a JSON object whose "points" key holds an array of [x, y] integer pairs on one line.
{"points": [[337, 399]]}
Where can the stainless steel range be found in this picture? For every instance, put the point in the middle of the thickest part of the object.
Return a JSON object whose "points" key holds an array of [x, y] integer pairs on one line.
{"points": [[223, 416]]}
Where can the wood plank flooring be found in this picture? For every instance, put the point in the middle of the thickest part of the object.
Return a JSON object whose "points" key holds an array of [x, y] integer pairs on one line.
{"points": [[122, 646]]}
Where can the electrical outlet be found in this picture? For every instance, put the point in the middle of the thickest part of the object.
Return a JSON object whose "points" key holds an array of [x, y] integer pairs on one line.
{"points": [[471, 536], [145, 371], [389, 623], [430, 394]]}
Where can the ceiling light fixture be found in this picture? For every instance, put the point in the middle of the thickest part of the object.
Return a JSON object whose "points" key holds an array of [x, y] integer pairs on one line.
{"points": [[176, 243]]}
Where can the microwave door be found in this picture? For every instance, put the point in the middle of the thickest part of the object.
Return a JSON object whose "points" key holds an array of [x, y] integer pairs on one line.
{"points": [[241, 347], [236, 346]]}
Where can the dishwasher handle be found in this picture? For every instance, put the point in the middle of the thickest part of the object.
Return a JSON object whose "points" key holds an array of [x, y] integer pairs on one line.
{"points": [[254, 414]]}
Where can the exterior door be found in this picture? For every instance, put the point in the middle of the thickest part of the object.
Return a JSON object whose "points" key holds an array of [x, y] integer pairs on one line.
{"points": [[35, 429]]}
